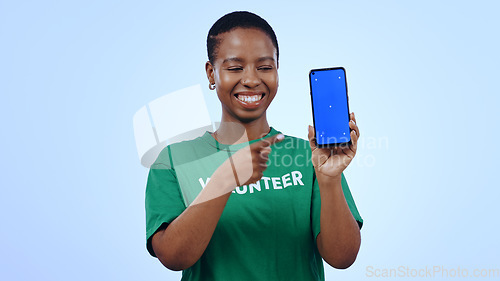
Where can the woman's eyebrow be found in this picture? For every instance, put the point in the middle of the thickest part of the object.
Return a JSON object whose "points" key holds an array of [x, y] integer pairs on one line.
{"points": [[236, 59], [265, 58]]}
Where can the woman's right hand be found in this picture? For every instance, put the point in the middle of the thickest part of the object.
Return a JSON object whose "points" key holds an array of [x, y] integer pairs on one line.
{"points": [[249, 163], [245, 166]]}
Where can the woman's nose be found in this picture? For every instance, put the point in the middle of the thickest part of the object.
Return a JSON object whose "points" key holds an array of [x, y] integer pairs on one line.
{"points": [[250, 78]]}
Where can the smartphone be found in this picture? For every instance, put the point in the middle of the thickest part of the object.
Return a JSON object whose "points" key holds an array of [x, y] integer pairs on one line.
{"points": [[330, 106]]}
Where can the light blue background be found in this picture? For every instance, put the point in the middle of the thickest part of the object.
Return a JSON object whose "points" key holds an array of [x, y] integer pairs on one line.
{"points": [[422, 81]]}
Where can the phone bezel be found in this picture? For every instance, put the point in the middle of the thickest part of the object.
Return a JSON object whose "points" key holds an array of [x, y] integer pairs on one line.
{"points": [[312, 107]]}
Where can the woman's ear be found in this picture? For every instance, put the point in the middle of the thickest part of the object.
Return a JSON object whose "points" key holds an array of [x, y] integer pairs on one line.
{"points": [[210, 72]]}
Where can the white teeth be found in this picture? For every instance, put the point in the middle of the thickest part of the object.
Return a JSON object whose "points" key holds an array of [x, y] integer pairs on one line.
{"points": [[249, 99]]}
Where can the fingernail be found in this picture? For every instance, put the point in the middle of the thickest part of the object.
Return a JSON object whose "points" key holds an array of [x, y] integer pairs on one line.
{"points": [[280, 137]]}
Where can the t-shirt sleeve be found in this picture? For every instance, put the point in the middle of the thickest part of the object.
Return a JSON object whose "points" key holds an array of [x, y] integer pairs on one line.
{"points": [[163, 200], [316, 205]]}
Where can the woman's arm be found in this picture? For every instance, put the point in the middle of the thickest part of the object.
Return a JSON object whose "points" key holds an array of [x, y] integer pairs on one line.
{"points": [[185, 239], [339, 238]]}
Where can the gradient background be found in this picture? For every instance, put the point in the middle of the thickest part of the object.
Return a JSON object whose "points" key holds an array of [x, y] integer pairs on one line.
{"points": [[422, 79]]}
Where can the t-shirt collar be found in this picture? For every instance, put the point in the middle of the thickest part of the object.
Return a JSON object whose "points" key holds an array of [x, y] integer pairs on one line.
{"points": [[210, 140]]}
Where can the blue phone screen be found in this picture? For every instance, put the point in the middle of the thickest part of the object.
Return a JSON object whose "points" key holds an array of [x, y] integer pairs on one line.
{"points": [[330, 108]]}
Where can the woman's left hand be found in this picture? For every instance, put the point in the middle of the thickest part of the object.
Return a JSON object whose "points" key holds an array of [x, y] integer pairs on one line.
{"points": [[333, 161]]}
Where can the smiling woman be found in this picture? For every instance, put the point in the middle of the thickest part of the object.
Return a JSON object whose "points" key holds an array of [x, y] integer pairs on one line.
{"points": [[247, 202]]}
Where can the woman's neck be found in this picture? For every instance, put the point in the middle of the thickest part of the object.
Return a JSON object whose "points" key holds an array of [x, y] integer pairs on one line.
{"points": [[235, 131]]}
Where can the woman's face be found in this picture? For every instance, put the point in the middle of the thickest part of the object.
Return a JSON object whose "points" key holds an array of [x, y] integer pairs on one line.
{"points": [[245, 73]]}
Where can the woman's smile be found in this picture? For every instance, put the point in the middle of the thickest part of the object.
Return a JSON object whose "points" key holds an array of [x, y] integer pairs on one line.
{"points": [[249, 99]]}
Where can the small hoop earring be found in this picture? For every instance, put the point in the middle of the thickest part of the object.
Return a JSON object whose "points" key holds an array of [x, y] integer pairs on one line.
{"points": [[211, 86]]}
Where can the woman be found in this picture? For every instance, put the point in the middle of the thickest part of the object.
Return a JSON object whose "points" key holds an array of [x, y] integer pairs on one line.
{"points": [[247, 202]]}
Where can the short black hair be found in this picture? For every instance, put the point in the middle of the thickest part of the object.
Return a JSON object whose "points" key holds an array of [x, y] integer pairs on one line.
{"points": [[234, 20]]}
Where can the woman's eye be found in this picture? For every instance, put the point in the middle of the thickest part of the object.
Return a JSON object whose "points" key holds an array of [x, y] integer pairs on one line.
{"points": [[265, 68]]}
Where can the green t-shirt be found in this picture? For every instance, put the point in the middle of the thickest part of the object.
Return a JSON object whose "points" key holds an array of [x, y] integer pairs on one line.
{"points": [[267, 230]]}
